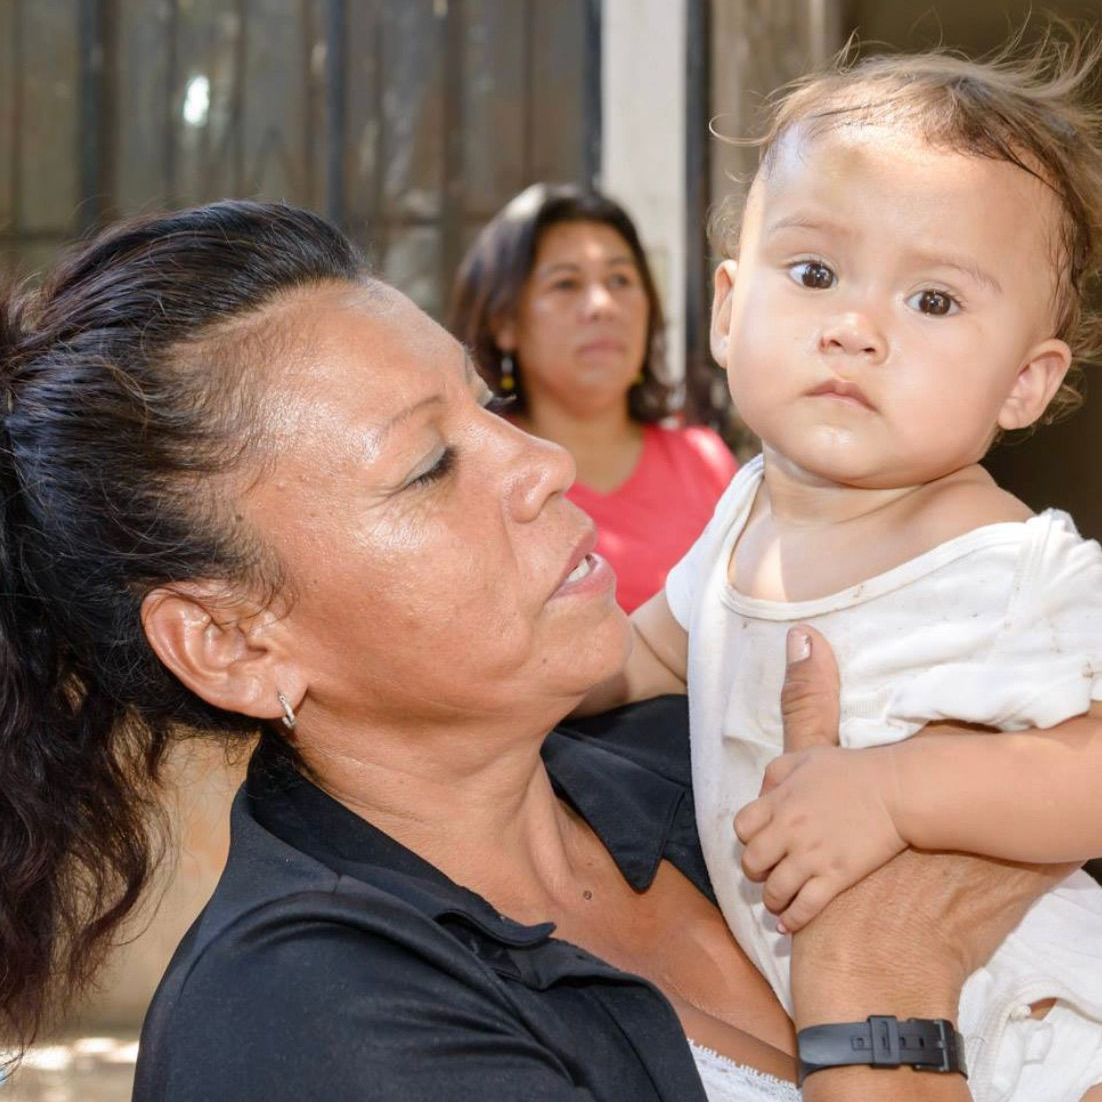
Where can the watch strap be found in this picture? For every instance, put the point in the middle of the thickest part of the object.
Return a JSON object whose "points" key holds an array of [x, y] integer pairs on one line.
{"points": [[882, 1041]]}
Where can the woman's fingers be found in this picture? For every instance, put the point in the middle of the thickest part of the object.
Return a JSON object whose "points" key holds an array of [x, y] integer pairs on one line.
{"points": [[809, 698]]}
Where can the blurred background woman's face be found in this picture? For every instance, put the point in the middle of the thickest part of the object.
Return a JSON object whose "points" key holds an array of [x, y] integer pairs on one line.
{"points": [[580, 332]]}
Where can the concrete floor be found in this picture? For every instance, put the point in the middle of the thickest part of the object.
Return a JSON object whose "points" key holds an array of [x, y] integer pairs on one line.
{"points": [[81, 1069]]}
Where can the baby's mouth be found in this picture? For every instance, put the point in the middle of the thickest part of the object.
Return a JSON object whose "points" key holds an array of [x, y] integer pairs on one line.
{"points": [[842, 390]]}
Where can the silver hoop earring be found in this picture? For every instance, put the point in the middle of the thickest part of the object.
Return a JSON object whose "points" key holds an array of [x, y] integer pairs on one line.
{"points": [[288, 718], [508, 373]]}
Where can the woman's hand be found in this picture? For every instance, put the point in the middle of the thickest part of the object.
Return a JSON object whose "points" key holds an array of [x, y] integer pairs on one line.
{"points": [[824, 818], [903, 940], [963, 905], [824, 821]]}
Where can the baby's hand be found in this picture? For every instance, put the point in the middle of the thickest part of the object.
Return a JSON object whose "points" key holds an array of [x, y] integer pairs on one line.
{"points": [[823, 821]]}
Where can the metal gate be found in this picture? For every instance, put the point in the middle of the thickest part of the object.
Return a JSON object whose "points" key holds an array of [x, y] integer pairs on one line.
{"points": [[408, 122]]}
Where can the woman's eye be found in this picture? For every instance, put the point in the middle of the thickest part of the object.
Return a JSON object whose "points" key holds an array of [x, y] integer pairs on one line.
{"points": [[437, 471], [564, 285], [814, 274], [621, 280], [935, 304]]}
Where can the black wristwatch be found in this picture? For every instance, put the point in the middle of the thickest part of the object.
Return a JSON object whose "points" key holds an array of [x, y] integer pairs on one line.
{"points": [[883, 1041]]}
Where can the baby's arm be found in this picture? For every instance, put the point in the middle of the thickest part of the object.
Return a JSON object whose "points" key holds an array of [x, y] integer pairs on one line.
{"points": [[828, 817], [1026, 796], [656, 665]]}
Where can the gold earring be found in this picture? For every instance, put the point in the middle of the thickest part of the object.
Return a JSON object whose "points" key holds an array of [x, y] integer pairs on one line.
{"points": [[508, 373], [288, 718]]}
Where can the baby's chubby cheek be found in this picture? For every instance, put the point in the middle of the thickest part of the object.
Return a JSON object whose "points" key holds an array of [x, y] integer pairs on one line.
{"points": [[758, 384]]}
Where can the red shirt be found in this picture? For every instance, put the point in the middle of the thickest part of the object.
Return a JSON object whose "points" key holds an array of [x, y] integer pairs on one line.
{"points": [[650, 520]]}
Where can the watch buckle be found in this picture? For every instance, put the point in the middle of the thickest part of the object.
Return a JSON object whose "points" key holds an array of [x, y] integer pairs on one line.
{"points": [[947, 1050]]}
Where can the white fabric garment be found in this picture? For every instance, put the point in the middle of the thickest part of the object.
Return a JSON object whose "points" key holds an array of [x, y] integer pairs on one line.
{"points": [[726, 1081], [1001, 626]]}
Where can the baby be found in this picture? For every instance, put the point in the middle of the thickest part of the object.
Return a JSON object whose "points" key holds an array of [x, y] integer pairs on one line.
{"points": [[908, 283]]}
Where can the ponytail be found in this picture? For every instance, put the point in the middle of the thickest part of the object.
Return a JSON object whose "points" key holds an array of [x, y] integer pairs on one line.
{"points": [[75, 814], [123, 394]]}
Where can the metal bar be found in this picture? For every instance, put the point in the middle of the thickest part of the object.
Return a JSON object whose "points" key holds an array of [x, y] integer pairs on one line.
{"points": [[378, 237], [168, 149], [18, 52], [527, 92], [237, 101], [453, 88], [336, 107], [90, 83], [698, 76], [592, 106], [309, 114], [203, 132], [109, 116]]}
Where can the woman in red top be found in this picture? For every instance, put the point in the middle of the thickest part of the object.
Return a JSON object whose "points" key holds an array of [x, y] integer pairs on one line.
{"points": [[558, 306]]}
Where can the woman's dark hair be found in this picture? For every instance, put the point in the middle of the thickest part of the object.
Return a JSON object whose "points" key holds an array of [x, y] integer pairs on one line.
{"points": [[492, 275], [128, 389]]}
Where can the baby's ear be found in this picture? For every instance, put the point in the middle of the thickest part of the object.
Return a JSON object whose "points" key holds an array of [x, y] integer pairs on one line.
{"points": [[1037, 383], [721, 310]]}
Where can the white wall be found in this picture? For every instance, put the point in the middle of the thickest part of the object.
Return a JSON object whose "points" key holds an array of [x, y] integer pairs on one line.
{"points": [[643, 45]]}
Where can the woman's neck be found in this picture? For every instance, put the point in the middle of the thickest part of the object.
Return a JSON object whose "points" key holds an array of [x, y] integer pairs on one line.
{"points": [[606, 443], [475, 803]]}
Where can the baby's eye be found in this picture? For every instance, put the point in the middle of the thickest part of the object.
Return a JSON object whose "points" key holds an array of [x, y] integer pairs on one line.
{"points": [[814, 274], [935, 304]]}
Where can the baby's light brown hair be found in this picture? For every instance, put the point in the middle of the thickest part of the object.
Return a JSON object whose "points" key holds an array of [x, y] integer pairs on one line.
{"points": [[1031, 109]]}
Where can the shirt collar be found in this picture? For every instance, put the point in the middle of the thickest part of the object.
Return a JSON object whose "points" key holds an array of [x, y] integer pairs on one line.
{"points": [[630, 807]]}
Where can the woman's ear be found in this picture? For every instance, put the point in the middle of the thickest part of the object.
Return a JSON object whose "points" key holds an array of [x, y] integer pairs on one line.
{"points": [[721, 311], [1038, 380], [505, 335], [223, 649]]}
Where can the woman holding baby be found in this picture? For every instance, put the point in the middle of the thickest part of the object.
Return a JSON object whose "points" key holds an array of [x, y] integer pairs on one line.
{"points": [[249, 488]]}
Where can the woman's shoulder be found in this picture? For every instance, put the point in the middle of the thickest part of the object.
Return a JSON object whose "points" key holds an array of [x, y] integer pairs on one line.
{"points": [[292, 959], [316, 993]]}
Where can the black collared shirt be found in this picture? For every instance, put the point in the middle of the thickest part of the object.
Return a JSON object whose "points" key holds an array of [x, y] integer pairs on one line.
{"points": [[333, 963]]}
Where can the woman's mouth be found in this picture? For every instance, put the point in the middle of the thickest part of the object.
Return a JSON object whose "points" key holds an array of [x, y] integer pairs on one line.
{"points": [[605, 346], [590, 573], [581, 570], [591, 576]]}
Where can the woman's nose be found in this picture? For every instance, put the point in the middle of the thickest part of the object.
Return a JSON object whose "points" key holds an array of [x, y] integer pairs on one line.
{"points": [[598, 299], [853, 334], [537, 472]]}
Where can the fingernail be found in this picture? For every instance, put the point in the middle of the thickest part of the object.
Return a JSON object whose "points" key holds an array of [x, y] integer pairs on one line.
{"points": [[781, 928], [798, 646]]}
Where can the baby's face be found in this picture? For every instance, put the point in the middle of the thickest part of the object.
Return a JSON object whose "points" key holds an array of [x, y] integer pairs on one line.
{"points": [[892, 304]]}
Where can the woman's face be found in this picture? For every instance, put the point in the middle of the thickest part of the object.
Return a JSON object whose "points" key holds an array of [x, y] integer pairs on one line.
{"points": [[580, 332], [434, 565]]}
